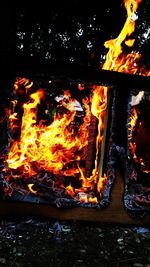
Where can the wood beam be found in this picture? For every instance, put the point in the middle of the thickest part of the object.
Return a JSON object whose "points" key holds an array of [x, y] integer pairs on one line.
{"points": [[82, 74]]}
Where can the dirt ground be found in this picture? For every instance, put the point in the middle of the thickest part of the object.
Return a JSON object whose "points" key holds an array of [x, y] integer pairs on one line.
{"points": [[27, 242]]}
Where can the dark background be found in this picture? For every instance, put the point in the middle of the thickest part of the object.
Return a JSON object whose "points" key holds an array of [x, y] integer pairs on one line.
{"points": [[66, 31]]}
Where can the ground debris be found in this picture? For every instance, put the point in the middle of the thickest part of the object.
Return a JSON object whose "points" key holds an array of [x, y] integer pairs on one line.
{"points": [[31, 242]]}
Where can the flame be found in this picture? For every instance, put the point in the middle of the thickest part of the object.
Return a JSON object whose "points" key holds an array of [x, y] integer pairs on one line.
{"points": [[116, 58], [131, 127], [70, 191], [31, 189], [132, 145], [119, 61], [52, 147], [84, 198], [21, 83], [101, 183], [57, 147]]}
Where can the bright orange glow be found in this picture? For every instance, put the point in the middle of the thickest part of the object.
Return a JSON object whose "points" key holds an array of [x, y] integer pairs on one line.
{"points": [[116, 59], [22, 81], [132, 124], [83, 197], [34, 145], [101, 183], [119, 61], [31, 189], [70, 191], [56, 147]]}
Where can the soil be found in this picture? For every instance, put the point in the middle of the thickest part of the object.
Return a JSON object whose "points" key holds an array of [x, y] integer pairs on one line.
{"points": [[28, 242]]}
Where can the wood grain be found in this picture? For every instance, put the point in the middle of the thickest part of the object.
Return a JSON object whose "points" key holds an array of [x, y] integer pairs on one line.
{"points": [[114, 214]]}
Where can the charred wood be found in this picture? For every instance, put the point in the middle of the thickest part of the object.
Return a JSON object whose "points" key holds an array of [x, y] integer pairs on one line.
{"points": [[81, 74], [91, 147]]}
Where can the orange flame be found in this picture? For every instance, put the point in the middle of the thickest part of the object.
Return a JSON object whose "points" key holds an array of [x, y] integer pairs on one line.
{"points": [[56, 147], [117, 60], [132, 124], [31, 189], [22, 81], [52, 146]]}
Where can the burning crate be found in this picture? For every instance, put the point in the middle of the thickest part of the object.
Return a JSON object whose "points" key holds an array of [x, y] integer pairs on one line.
{"points": [[56, 136], [65, 131]]}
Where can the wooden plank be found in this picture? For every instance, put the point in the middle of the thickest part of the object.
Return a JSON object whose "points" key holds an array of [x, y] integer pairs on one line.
{"points": [[114, 214], [91, 147], [78, 74]]}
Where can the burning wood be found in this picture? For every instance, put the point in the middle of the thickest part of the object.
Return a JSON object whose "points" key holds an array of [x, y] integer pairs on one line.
{"points": [[57, 141], [53, 146]]}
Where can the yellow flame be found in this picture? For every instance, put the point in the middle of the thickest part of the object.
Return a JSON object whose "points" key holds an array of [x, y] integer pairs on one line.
{"points": [[31, 189], [22, 81], [115, 46], [52, 147]]}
